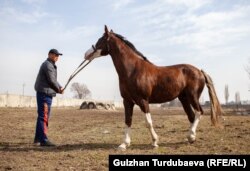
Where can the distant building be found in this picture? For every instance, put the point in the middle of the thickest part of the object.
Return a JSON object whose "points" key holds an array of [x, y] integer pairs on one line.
{"points": [[245, 102], [207, 103]]}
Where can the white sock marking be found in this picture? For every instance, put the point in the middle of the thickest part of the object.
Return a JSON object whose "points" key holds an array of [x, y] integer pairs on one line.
{"points": [[194, 125], [127, 135], [127, 139], [151, 129]]}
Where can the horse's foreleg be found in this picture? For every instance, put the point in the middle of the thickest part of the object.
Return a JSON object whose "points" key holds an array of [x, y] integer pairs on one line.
{"points": [[192, 131], [149, 125], [128, 121], [127, 139]]}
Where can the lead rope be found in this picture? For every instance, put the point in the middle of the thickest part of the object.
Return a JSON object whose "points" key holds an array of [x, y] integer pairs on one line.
{"points": [[78, 69]]}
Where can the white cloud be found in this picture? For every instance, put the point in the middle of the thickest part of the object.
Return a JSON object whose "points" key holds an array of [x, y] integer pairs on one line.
{"points": [[190, 4], [165, 10], [29, 11], [215, 29], [11, 14], [118, 4], [80, 32], [221, 19], [161, 23], [34, 1]]}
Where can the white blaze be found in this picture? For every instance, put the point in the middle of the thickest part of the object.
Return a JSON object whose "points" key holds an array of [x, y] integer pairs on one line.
{"points": [[91, 53]]}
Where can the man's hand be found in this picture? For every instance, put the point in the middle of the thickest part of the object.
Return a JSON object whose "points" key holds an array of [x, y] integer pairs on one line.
{"points": [[61, 91]]}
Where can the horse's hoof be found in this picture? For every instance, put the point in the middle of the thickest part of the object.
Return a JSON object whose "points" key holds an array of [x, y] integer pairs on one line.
{"points": [[122, 147], [191, 139], [155, 146]]}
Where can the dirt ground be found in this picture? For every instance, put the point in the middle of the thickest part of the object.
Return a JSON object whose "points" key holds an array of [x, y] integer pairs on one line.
{"points": [[85, 138]]}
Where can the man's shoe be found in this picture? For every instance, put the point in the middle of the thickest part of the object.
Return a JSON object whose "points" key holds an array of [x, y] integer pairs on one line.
{"points": [[36, 142], [47, 144]]}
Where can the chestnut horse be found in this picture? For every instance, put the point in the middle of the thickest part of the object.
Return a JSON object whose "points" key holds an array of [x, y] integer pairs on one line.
{"points": [[142, 83]]}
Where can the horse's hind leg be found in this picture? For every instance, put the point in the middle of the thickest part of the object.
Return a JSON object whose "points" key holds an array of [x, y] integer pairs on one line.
{"points": [[149, 124], [198, 112], [193, 117], [187, 108], [128, 106]]}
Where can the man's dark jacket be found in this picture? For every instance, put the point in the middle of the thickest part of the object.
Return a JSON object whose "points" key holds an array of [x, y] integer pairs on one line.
{"points": [[46, 81]]}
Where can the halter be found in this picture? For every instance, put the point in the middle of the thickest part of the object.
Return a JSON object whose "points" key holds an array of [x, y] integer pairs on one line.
{"points": [[108, 47], [94, 48]]}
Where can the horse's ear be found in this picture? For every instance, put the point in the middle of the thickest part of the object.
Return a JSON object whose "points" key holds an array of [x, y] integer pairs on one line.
{"points": [[106, 29], [111, 31]]}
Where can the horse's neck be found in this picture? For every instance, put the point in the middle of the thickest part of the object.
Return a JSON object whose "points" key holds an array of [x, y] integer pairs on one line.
{"points": [[123, 58]]}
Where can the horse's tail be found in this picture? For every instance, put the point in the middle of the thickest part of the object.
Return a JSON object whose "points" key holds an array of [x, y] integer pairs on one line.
{"points": [[214, 102]]}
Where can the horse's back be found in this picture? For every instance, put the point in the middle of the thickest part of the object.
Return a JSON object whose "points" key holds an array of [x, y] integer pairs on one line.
{"points": [[186, 71], [192, 78], [190, 75], [176, 79]]}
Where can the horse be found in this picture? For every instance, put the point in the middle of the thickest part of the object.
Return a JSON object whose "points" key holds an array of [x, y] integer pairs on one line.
{"points": [[142, 83]]}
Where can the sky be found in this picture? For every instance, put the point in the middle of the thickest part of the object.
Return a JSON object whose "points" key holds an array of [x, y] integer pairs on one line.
{"points": [[211, 35]]}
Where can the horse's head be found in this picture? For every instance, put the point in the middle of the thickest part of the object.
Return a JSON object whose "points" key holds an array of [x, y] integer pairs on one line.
{"points": [[101, 48]]}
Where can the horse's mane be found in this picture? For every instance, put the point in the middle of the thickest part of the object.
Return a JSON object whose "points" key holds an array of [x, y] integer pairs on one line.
{"points": [[130, 45]]}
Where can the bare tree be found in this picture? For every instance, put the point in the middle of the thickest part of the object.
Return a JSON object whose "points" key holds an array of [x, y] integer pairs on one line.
{"points": [[226, 93], [80, 91]]}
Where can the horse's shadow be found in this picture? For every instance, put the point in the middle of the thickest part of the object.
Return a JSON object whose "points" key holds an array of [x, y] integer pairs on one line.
{"points": [[27, 147], [164, 144]]}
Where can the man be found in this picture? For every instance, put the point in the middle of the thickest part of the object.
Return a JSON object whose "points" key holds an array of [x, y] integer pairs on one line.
{"points": [[46, 87]]}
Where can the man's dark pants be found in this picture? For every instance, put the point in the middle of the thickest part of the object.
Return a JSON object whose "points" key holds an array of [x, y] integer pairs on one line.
{"points": [[43, 109]]}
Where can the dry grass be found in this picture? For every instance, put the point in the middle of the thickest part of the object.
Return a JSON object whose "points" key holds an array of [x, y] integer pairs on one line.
{"points": [[85, 138]]}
